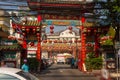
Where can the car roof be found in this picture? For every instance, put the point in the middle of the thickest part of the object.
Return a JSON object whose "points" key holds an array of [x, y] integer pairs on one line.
{"points": [[9, 70]]}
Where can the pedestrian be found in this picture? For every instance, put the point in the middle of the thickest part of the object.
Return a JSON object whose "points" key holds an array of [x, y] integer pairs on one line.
{"points": [[3, 64], [72, 63], [25, 66]]}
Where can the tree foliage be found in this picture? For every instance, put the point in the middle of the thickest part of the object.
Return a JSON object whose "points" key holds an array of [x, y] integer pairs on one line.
{"points": [[93, 62]]}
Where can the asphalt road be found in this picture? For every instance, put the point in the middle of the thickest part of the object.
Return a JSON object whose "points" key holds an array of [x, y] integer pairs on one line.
{"points": [[64, 72]]}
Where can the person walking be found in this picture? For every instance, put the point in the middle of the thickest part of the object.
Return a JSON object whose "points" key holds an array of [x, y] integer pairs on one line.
{"points": [[72, 63], [25, 66]]}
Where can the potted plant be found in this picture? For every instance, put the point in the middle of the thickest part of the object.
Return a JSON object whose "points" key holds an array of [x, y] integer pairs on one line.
{"points": [[92, 62]]}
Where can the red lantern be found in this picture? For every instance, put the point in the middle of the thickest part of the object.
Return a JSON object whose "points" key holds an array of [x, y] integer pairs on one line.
{"points": [[70, 27], [23, 28], [51, 27], [38, 38], [75, 40], [65, 41], [60, 41], [32, 43], [84, 35], [84, 38], [38, 34], [50, 41], [88, 30], [78, 41], [34, 30], [27, 30], [45, 41], [110, 37], [95, 30], [55, 41], [70, 41], [24, 34]]}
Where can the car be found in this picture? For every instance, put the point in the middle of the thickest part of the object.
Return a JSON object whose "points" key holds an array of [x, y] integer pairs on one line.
{"points": [[7, 73], [68, 60], [60, 58]]}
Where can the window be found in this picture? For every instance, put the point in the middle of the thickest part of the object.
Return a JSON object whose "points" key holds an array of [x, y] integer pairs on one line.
{"points": [[7, 77]]}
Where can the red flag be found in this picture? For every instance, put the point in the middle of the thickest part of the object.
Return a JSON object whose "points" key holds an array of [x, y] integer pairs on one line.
{"points": [[39, 18]]}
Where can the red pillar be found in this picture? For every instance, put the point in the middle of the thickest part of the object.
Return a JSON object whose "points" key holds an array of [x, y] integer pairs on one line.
{"points": [[38, 54], [96, 47], [82, 54], [24, 52]]}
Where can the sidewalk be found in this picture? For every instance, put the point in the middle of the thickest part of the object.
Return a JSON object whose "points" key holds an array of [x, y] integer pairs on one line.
{"points": [[112, 74]]}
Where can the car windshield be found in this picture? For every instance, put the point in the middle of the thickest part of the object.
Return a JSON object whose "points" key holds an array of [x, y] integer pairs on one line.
{"points": [[27, 76]]}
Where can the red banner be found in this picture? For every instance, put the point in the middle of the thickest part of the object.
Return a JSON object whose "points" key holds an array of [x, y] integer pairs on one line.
{"points": [[38, 53]]}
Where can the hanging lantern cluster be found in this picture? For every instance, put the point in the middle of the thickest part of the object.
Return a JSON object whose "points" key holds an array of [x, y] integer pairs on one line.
{"points": [[50, 41], [51, 29], [89, 45], [44, 41], [29, 30], [60, 41], [64, 41], [55, 41], [106, 39], [91, 30]]}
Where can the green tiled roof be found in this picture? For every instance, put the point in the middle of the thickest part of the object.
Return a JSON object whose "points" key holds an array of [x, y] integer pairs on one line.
{"points": [[10, 47]]}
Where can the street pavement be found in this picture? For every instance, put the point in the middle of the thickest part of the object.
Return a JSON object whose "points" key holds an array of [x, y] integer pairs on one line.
{"points": [[64, 72]]}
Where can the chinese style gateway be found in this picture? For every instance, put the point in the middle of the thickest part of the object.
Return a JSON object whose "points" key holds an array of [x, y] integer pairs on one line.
{"points": [[68, 10]]}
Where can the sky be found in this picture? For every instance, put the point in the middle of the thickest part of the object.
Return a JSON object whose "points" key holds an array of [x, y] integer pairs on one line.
{"points": [[13, 4]]}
